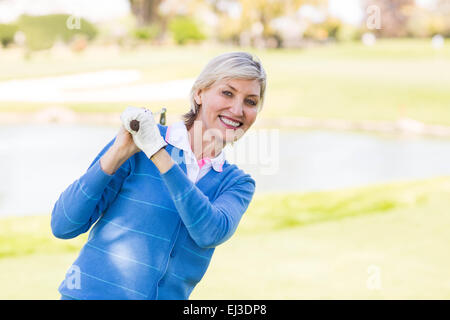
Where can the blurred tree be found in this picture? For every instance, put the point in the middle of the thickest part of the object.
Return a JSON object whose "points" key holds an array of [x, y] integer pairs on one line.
{"points": [[41, 32], [254, 23], [248, 22], [264, 11], [146, 11], [327, 29], [394, 14], [184, 29], [176, 15], [441, 16]]}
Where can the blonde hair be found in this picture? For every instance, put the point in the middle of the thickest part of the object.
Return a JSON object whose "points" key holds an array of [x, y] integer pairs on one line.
{"points": [[231, 65]]}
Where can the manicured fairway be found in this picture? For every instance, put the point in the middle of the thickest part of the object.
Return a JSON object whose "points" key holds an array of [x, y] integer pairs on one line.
{"points": [[378, 242]]}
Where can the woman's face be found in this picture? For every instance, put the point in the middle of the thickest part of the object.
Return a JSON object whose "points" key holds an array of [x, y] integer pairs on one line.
{"points": [[228, 107]]}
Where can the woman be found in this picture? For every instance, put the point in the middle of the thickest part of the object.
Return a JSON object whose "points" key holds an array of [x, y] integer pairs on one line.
{"points": [[160, 213]]}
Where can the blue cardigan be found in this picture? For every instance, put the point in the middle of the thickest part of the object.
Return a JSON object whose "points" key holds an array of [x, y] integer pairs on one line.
{"points": [[154, 234]]}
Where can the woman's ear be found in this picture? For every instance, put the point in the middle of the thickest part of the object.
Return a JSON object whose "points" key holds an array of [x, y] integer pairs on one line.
{"points": [[198, 97]]}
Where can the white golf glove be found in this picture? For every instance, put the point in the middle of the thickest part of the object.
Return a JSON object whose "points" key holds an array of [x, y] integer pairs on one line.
{"points": [[147, 137]]}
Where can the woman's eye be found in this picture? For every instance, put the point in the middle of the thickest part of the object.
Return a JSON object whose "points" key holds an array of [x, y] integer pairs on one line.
{"points": [[227, 93], [251, 102]]}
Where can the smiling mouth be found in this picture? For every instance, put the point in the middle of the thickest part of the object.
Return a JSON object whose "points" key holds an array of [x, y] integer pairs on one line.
{"points": [[230, 123]]}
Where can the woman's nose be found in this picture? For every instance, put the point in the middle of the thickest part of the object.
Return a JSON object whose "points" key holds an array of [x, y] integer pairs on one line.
{"points": [[237, 109]]}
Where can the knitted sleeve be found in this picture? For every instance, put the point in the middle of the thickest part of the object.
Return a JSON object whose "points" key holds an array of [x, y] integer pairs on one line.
{"points": [[209, 223], [81, 204]]}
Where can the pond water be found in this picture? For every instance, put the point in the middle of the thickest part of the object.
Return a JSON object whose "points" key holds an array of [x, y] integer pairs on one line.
{"points": [[37, 162]]}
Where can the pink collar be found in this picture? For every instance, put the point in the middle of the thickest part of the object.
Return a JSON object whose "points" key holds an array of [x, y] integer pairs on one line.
{"points": [[177, 136]]}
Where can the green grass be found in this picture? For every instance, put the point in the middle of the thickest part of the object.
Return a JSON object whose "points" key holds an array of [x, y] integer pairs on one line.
{"points": [[310, 245], [22, 236], [392, 79]]}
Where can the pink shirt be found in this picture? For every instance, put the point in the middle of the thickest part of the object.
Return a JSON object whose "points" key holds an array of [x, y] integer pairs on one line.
{"points": [[177, 136]]}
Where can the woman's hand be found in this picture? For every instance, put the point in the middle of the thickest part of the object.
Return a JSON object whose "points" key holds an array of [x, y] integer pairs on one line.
{"points": [[124, 143], [146, 134], [128, 142], [122, 149]]}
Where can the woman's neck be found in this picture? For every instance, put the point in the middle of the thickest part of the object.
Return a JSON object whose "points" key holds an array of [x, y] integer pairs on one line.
{"points": [[203, 145]]}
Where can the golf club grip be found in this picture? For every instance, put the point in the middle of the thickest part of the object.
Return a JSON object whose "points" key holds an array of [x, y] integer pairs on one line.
{"points": [[134, 124]]}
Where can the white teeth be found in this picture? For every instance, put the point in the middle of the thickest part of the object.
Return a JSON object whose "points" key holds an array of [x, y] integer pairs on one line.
{"points": [[230, 122]]}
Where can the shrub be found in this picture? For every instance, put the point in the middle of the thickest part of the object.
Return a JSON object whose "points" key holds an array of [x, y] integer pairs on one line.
{"points": [[327, 29], [42, 31], [7, 32], [185, 29], [349, 32], [146, 33]]}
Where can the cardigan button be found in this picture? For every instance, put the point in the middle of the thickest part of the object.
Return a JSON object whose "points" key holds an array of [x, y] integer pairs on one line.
{"points": [[172, 254]]}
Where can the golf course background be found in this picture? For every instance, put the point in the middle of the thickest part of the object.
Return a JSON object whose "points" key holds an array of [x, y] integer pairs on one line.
{"points": [[392, 79], [377, 242]]}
